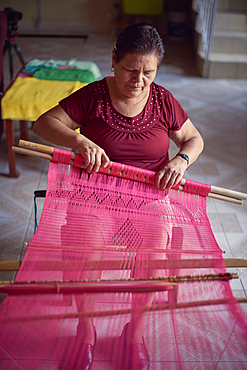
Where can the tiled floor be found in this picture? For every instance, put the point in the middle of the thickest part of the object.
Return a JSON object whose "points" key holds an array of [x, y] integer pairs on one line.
{"points": [[218, 108]]}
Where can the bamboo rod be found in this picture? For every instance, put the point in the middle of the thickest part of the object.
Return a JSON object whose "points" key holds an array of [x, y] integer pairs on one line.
{"points": [[40, 148], [225, 198], [32, 153], [215, 192], [106, 286], [36, 147], [85, 287], [117, 264], [228, 192]]}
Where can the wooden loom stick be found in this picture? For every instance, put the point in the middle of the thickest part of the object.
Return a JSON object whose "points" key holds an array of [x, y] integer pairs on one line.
{"points": [[36, 147], [217, 196], [215, 192], [84, 287], [228, 192], [10, 265], [106, 286], [225, 198], [32, 153], [117, 264]]}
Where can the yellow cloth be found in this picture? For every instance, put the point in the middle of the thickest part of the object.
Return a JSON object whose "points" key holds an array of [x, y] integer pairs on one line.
{"points": [[30, 97]]}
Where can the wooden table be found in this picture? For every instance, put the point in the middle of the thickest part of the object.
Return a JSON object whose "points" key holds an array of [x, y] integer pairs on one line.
{"points": [[35, 96]]}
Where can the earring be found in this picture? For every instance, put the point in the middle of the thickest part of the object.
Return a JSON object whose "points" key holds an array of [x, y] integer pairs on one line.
{"points": [[112, 69]]}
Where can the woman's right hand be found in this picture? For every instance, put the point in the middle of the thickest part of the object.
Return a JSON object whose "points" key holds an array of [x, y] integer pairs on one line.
{"points": [[94, 156]]}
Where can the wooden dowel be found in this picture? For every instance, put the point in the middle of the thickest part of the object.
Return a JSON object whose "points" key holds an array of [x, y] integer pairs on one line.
{"points": [[235, 262], [228, 192], [31, 153], [242, 300], [116, 264], [36, 147], [106, 286], [225, 198], [40, 148], [10, 265], [37, 153], [167, 280], [85, 287]]}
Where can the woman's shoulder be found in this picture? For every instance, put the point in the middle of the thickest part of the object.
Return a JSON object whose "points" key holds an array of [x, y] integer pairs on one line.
{"points": [[93, 86], [161, 89], [163, 95], [87, 94]]}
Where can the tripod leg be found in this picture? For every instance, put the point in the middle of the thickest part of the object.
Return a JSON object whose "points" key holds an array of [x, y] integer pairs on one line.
{"points": [[6, 46], [18, 51], [13, 172], [11, 61]]}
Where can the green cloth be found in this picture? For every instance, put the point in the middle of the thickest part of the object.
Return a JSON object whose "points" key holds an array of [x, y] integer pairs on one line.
{"points": [[59, 74], [36, 64]]}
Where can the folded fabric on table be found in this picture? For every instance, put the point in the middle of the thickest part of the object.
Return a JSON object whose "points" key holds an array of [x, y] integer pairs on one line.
{"points": [[70, 74], [30, 97], [36, 64]]}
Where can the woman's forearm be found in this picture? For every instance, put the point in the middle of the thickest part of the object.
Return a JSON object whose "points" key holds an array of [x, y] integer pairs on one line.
{"points": [[54, 131], [56, 127], [190, 143], [192, 148]]}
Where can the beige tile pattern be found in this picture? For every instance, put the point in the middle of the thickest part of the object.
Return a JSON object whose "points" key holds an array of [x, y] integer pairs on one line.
{"points": [[218, 108]]}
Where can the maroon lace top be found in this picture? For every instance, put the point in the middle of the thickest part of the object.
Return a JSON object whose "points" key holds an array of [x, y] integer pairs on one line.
{"points": [[141, 141]]}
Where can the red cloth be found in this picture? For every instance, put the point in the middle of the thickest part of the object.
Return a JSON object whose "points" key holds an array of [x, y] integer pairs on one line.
{"points": [[140, 141]]}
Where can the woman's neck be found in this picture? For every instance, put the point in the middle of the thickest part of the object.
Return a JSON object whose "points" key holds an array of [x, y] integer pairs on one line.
{"points": [[128, 106]]}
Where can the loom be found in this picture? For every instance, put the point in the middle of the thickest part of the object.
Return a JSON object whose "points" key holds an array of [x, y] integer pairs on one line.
{"points": [[111, 247]]}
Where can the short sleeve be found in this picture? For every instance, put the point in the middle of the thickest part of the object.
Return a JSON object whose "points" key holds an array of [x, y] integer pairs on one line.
{"points": [[171, 111], [78, 104]]}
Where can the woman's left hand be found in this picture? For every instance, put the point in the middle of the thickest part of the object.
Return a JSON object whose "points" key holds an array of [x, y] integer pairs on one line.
{"points": [[171, 174]]}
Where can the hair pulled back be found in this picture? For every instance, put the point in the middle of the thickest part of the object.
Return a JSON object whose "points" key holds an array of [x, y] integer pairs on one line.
{"points": [[139, 38]]}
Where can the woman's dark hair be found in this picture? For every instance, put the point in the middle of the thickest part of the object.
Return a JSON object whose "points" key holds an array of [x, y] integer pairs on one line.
{"points": [[139, 38]]}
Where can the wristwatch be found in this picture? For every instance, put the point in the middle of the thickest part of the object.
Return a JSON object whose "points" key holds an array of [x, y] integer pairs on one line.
{"points": [[185, 157]]}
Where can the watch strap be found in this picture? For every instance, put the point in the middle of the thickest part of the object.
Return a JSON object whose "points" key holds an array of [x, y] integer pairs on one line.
{"points": [[185, 157]]}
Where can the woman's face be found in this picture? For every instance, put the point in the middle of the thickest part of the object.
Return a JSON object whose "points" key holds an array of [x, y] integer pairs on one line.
{"points": [[134, 73]]}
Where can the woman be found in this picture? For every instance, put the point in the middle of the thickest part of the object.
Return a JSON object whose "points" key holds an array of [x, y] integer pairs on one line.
{"points": [[127, 118]]}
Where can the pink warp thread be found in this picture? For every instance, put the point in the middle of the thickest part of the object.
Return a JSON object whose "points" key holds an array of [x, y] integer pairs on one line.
{"points": [[131, 228], [129, 172], [61, 156], [78, 160], [196, 188]]}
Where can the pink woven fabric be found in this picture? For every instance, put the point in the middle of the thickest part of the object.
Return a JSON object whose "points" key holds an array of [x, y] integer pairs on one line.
{"points": [[105, 227], [128, 172]]}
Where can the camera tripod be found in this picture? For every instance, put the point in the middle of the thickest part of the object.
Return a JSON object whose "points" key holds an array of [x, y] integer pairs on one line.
{"points": [[10, 43]]}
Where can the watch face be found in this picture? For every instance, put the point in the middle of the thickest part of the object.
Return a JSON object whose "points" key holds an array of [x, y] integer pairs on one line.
{"points": [[185, 157]]}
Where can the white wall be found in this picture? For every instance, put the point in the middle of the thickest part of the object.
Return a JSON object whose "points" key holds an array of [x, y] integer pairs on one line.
{"points": [[75, 15]]}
